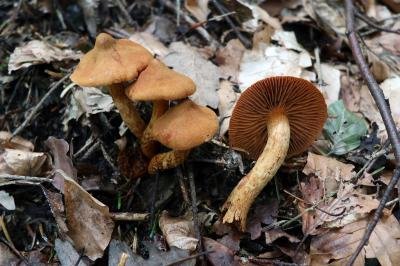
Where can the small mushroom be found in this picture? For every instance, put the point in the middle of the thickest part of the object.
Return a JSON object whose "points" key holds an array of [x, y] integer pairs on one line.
{"points": [[181, 128], [159, 84], [274, 118], [112, 63]]}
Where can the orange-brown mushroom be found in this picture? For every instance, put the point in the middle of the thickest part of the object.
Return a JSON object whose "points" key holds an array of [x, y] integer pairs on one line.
{"points": [[112, 63], [181, 128], [159, 84], [274, 118]]}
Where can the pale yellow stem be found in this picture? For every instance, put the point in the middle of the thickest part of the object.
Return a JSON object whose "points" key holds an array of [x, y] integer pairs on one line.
{"points": [[167, 160], [127, 110], [243, 195], [148, 145]]}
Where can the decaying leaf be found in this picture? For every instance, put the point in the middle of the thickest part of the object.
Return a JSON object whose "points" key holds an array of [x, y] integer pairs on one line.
{"points": [[328, 168], [7, 257], [178, 231], [330, 77], [185, 59], [198, 8], [339, 244], [274, 234], [150, 42], [88, 220], [39, 52], [18, 143], [20, 162], [67, 254], [218, 253], [228, 59], [227, 100], [7, 201], [343, 129]]}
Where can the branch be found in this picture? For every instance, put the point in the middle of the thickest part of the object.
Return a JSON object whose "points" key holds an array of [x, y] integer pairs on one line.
{"points": [[384, 110]]}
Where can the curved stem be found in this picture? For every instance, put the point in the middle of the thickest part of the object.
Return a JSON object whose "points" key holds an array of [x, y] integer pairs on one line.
{"points": [[127, 110], [243, 195], [148, 145], [167, 160]]}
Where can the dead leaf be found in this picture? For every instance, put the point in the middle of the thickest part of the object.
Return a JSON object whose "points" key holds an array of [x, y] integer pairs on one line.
{"points": [[227, 100], [59, 149], [89, 223], [330, 77], [7, 200], [198, 8], [274, 234], [20, 162], [228, 58], [218, 253], [18, 143], [264, 214], [67, 254], [156, 256], [178, 231], [287, 39], [150, 42], [340, 244], [39, 52], [7, 257], [186, 60], [55, 201], [328, 168], [89, 8]]}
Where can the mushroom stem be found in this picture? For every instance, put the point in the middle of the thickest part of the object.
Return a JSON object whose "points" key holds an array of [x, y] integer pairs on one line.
{"points": [[167, 160], [242, 197], [147, 143], [127, 110]]}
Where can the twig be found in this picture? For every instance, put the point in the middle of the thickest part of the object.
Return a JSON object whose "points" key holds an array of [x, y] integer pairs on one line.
{"points": [[243, 39], [85, 147], [124, 12], [374, 25], [195, 210], [384, 110], [129, 216], [25, 178], [28, 119]]}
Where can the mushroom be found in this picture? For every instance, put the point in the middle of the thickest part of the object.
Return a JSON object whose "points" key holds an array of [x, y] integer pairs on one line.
{"points": [[274, 118], [181, 128], [113, 63], [159, 84]]}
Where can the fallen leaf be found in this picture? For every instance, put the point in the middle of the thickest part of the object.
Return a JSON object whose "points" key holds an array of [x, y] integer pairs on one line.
{"points": [[339, 244], [20, 162], [228, 59], [391, 90], [18, 143], [330, 77], [274, 234], [186, 60], [263, 214], [287, 39], [59, 148], [328, 168], [227, 100], [218, 253], [90, 15], [7, 201], [178, 231], [198, 8], [89, 222], [39, 52], [67, 254], [150, 42], [55, 201], [343, 129], [7, 257], [156, 256]]}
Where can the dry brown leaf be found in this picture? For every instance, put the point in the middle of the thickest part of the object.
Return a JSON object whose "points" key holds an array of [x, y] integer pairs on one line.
{"points": [[328, 168], [20, 162], [150, 42], [178, 231], [227, 100], [228, 58], [218, 253], [274, 234], [198, 8], [18, 143], [89, 222], [39, 52], [339, 244]]}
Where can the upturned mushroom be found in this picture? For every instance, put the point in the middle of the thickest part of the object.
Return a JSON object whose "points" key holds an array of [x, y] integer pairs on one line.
{"points": [[159, 84], [113, 63], [275, 118], [181, 128]]}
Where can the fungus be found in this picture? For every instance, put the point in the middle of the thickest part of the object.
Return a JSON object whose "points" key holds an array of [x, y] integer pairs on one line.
{"points": [[274, 118], [159, 84], [113, 63], [181, 128]]}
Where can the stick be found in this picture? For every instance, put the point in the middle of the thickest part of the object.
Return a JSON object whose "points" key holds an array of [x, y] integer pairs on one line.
{"points": [[26, 178], [384, 110], [29, 118], [129, 216]]}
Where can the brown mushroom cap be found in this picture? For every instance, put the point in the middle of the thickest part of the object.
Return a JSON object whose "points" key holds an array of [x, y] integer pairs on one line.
{"points": [[158, 82], [111, 61], [185, 126], [300, 100]]}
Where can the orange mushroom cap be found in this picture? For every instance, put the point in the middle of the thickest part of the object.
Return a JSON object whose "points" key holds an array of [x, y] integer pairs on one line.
{"points": [[185, 126], [298, 99], [158, 82], [111, 61]]}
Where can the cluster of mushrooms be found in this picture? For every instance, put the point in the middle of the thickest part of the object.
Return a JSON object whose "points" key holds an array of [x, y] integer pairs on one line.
{"points": [[131, 73], [275, 118]]}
